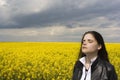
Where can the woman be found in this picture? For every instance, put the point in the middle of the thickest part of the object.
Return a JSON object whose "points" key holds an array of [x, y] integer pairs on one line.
{"points": [[93, 62]]}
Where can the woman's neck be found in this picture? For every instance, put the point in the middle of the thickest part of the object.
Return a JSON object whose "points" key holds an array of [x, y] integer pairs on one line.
{"points": [[88, 59], [90, 56]]}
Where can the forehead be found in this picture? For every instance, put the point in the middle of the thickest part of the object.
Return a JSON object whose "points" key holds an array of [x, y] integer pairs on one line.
{"points": [[89, 36]]}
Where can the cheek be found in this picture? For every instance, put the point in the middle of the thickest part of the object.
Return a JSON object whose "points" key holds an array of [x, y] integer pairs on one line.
{"points": [[93, 47]]}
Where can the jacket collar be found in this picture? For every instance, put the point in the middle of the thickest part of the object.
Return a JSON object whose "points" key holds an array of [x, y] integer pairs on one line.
{"points": [[79, 64], [95, 64], [82, 60]]}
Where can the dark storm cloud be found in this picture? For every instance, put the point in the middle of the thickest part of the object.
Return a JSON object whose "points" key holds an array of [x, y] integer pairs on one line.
{"points": [[68, 13]]}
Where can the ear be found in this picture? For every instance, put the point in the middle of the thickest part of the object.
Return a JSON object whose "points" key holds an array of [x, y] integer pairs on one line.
{"points": [[99, 47]]}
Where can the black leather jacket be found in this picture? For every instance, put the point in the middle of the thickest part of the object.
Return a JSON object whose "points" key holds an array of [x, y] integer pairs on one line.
{"points": [[100, 70]]}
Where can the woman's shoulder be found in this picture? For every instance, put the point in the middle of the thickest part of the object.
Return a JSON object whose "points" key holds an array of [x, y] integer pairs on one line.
{"points": [[108, 65], [111, 71]]}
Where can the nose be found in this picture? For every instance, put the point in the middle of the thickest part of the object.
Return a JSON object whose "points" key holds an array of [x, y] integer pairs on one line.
{"points": [[84, 43]]}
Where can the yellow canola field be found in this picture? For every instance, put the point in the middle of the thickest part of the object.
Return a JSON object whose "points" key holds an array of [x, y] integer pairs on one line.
{"points": [[45, 60]]}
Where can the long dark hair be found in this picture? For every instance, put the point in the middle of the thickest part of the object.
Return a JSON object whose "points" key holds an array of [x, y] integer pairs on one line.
{"points": [[102, 53]]}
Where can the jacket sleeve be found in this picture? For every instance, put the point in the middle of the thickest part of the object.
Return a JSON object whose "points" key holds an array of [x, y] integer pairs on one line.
{"points": [[112, 74], [74, 72], [77, 71]]}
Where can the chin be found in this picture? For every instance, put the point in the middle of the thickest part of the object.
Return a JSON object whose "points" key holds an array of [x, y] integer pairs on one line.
{"points": [[86, 53]]}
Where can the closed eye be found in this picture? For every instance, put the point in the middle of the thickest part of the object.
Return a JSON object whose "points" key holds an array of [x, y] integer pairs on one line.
{"points": [[90, 41]]}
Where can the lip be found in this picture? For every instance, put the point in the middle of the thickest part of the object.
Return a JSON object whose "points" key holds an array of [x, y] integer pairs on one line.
{"points": [[84, 47]]}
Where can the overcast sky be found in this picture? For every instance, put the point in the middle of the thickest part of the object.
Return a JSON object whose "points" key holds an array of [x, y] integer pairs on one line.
{"points": [[58, 20]]}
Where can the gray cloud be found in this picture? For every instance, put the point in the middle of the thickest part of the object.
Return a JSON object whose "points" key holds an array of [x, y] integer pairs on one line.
{"points": [[62, 12], [58, 20]]}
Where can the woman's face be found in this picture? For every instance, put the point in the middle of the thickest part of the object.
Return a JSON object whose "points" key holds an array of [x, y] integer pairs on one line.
{"points": [[89, 44]]}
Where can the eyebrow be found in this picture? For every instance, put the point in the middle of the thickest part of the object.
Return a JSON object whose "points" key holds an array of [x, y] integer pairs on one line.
{"points": [[88, 39]]}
